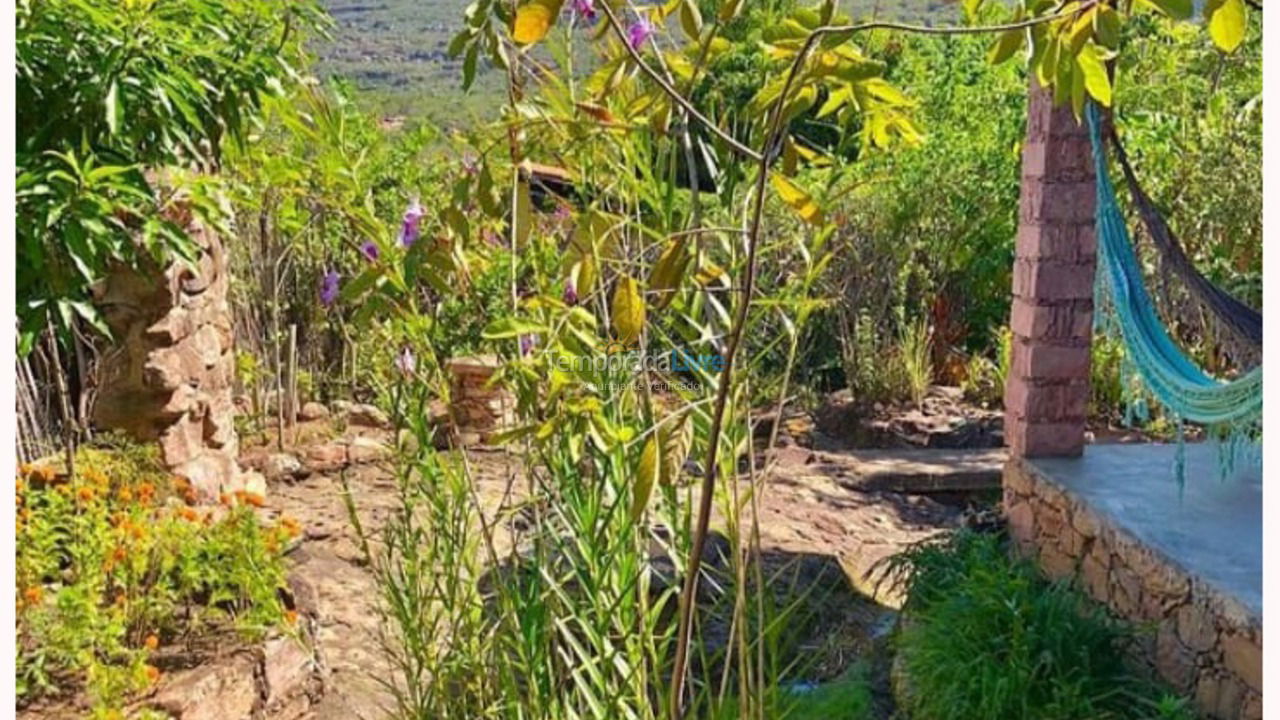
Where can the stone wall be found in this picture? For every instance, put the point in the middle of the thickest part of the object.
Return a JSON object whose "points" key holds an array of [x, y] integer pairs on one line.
{"points": [[169, 372], [476, 410], [1204, 643]]}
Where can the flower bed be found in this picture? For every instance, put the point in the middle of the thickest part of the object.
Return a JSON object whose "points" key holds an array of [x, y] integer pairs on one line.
{"points": [[116, 566]]}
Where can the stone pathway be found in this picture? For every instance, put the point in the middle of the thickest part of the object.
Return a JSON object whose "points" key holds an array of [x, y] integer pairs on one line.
{"points": [[819, 510], [922, 471]]}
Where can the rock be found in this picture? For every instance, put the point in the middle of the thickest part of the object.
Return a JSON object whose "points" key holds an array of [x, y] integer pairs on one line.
{"points": [[254, 483], [209, 474], [288, 668], [366, 450], [438, 413], [325, 458], [1195, 628], [369, 416], [341, 407], [224, 689], [318, 532], [1244, 658], [407, 441], [313, 411], [279, 467], [1175, 663]]}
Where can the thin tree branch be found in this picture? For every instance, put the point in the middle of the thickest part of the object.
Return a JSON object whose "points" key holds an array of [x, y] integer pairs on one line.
{"points": [[817, 34]]}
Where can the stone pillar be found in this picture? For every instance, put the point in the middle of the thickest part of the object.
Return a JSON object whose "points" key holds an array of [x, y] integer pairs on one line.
{"points": [[1047, 390], [478, 411], [168, 375]]}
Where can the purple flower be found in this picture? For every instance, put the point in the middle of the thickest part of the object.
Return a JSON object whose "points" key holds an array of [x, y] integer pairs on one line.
{"points": [[406, 363], [470, 165], [570, 293], [639, 33], [409, 228], [370, 250], [491, 237], [585, 9], [329, 287], [527, 344], [562, 213]]}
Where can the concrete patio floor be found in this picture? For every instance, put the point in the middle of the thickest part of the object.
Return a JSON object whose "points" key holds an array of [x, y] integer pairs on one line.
{"points": [[1211, 527]]}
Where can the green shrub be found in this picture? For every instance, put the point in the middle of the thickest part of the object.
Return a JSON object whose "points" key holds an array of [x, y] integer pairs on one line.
{"points": [[988, 637]]}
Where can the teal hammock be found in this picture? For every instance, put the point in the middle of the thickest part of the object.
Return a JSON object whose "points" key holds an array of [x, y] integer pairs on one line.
{"points": [[1231, 409]]}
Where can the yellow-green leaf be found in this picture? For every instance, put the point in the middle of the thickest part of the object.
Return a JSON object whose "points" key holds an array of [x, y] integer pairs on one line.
{"points": [[533, 20], [1177, 9], [691, 19], [1106, 25], [667, 272], [729, 9], [627, 310], [524, 212], [677, 440], [1005, 46], [647, 473], [1095, 74], [1226, 23], [798, 199]]}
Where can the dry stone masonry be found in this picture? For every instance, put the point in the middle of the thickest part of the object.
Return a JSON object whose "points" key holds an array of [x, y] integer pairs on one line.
{"points": [[1203, 642], [168, 376], [477, 410]]}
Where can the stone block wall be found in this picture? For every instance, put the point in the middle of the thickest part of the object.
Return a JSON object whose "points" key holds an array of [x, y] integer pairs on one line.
{"points": [[169, 373], [1047, 391], [476, 410], [1203, 643]]}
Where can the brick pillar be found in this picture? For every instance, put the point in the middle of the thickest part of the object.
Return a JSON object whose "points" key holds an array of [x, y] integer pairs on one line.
{"points": [[1047, 391]]}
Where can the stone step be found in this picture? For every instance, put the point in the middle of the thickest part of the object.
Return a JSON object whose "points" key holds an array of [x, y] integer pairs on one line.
{"points": [[915, 471]]}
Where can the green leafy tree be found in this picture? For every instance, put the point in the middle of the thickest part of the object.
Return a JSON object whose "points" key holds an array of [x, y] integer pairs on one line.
{"points": [[119, 106]]}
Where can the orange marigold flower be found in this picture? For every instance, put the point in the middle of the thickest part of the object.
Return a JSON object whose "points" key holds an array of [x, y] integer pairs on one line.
{"points": [[291, 526], [291, 616], [254, 499], [33, 595], [96, 477], [124, 494], [21, 486], [19, 501], [152, 642], [153, 674], [119, 554], [45, 473], [188, 514], [64, 490], [225, 499], [84, 493], [25, 469]]}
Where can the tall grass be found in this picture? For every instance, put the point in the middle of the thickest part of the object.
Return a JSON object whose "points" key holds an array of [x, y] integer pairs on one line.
{"points": [[987, 637], [915, 348], [560, 604]]}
